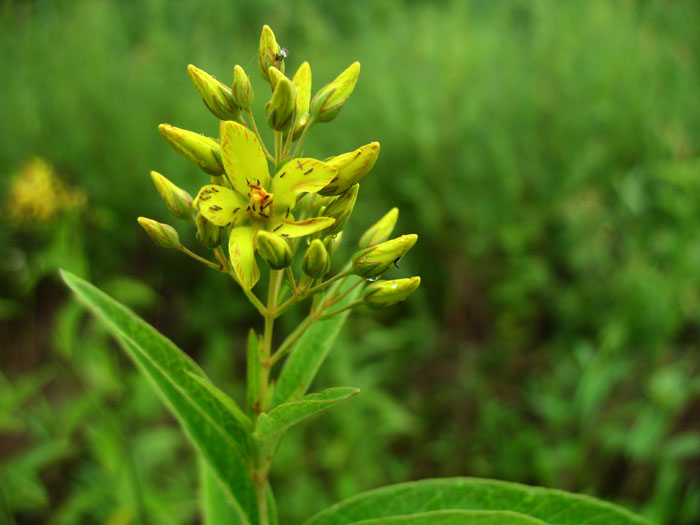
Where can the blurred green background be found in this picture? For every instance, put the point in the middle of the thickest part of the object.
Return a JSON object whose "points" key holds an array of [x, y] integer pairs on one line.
{"points": [[547, 155]]}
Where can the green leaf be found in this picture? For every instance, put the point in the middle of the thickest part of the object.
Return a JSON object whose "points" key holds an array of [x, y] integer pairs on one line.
{"points": [[271, 425], [217, 435], [310, 351], [456, 517], [225, 400], [217, 506], [470, 494]]}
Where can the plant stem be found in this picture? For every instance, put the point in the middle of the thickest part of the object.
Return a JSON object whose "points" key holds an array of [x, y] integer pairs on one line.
{"points": [[291, 338], [257, 133], [302, 138], [327, 283], [196, 257], [340, 310], [261, 494]]}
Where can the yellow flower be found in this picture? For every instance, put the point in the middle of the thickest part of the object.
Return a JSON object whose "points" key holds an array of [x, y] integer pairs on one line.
{"points": [[258, 202]]}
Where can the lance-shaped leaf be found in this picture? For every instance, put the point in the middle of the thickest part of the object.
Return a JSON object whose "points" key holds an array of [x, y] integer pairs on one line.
{"points": [[457, 517], [472, 494], [273, 424], [310, 350], [243, 157], [220, 438], [297, 176], [253, 373]]}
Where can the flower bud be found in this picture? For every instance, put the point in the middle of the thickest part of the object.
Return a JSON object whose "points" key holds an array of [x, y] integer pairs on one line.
{"points": [[385, 293], [205, 152], [328, 101], [302, 82], [380, 230], [176, 199], [216, 95], [270, 54], [275, 250], [317, 262], [340, 209], [374, 261], [162, 234], [352, 167], [242, 89], [208, 234], [331, 242], [279, 111]]}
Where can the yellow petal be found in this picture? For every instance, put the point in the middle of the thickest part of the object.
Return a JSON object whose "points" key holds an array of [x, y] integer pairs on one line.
{"points": [[297, 176], [241, 248], [291, 228], [243, 157], [220, 206]]}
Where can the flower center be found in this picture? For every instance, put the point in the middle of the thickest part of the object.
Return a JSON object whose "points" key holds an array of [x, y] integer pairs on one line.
{"points": [[260, 200]]}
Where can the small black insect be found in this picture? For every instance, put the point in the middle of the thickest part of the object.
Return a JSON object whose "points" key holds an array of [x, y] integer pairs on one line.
{"points": [[281, 55]]}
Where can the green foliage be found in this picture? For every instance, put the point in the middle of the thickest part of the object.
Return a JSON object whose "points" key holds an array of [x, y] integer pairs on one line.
{"points": [[546, 153], [545, 505]]}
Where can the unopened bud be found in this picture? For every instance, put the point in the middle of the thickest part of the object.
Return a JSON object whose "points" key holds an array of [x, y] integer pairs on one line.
{"points": [[208, 234], [352, 167], [279, 111], [205, 152], [341, 209], [302, 82], [162, 234], [380, 230], [374, 261], [242, 88], [176, 199], [270, 54], [216, 95], [385, 293], [331, 242], [317, 262], [330, 99], [275, 250]]}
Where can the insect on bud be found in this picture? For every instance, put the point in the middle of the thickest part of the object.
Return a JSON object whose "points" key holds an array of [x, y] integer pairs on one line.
{"points": [[242, 89], [374, 261], [317, 262], [341, 209], [275, 250], [162, 234], [208, 234], [330, 99], [380, 230], [352, 167], [270, 54], [279, 111], [176, 199], [205, 152], [386, 293], [216, 95], [302, 81]]}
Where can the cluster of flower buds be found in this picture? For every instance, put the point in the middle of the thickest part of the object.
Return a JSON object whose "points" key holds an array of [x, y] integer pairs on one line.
{"points": [[259, 204]]}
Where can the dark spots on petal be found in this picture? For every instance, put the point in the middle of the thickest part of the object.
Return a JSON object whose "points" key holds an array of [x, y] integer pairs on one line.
{"points": [[308, 171], [277, 228]]}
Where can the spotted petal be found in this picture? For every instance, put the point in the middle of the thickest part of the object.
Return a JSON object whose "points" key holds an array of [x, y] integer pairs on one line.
{"points": [[221, 206], [297, 176], [300, 228], [243, 157], [241, 248]]}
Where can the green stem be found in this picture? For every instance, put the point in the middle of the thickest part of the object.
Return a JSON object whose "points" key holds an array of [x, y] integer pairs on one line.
{"points": [[291, 338], [327, 283], [219, 254], [303, 137], [338, 298], [340, 310], [196, 257], [257, 133]]}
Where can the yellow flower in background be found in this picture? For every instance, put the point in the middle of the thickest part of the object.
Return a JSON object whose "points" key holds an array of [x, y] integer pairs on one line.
{"points": [[258, 202], [37, 195]]}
